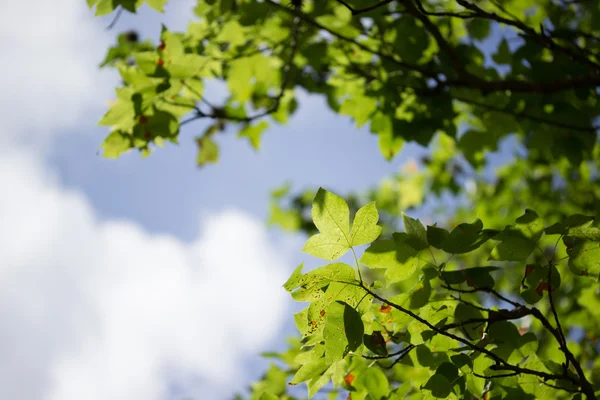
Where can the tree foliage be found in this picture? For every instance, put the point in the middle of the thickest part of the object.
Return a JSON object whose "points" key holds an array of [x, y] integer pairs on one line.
{"points": [[500, 300]]}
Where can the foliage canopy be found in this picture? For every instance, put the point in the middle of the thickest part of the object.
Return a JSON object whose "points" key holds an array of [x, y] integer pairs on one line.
{"points": [[501, 300]]}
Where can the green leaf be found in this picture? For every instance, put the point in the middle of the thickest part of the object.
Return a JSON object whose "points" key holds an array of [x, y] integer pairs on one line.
{"points": [[460, 360], [233, 33], [430, 271], [343, 332], [185, 66], [317, 310], [331, 216], [310, 370], [536, 282], [288, 220], [359, 107], [464, 312], [330, 213], [254, 132], [513, 246], [449, 370], [364, 227], [327, 247], [439, 386], [474, 277], [309, 285], [401, 391], [158, 5], [416, 232], [105, 7], [479, 28], [584, 259], [121, 116], [530, 225], [437, 236], [239, 79], [503, 332], [463, 239], [398, 258], [374, 381], [587, 233], [116, 144], [577, 221], [295, 280], [419, 296], [376, 343], [208, 151], [503, 54], [300, 320], [389, 144]]}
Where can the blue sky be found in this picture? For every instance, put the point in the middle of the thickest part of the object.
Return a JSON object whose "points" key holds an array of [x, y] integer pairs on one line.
{"points": [[142, 278]]}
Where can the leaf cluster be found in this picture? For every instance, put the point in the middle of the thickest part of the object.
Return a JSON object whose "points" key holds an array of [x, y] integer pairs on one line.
{"points": [[412, 310]]}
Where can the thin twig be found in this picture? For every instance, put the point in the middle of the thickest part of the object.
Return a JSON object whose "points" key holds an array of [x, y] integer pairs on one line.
{"points": [[355, 11], [404, 354], [115, 19], [499, 361], [521, 115], [391, 355], [495, 376], [485, 290], [559, 329], [304, 17]]}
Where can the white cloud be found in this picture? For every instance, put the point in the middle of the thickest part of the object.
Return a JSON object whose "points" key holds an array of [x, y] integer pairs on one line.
{"points": [[104, 310], [49, 70]]}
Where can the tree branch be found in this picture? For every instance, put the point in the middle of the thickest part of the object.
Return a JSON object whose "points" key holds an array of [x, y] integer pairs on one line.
{"points": [[586, 386], [561, 335], [457, 65], [310, 21], [358, 11], [495, 376], [530, 32], [499, 361], [521, 115], [485, 290]]}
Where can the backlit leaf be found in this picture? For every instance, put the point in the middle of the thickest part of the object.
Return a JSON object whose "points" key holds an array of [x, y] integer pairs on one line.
{"points": [[343, 332]]}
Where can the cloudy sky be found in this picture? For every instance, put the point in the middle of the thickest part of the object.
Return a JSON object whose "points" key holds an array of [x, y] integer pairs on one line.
{"points": [[140, 279]]}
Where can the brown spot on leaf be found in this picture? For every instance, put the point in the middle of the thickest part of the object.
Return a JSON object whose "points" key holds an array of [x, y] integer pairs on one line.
{"points": [[528, 269], [541, 287], [385, 308], [470, 282]]}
